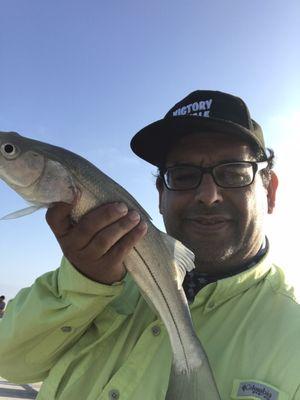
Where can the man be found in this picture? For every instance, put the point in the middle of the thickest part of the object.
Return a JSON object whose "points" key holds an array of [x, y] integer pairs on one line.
{"points": [[2, 305], [85, 330]]}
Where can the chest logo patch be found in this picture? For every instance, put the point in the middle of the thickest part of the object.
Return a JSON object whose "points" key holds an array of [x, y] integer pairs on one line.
{"points": [[256, 390]]}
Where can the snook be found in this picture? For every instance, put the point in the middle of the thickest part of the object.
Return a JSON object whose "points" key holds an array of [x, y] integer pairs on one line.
{"points": [[43, 174]]}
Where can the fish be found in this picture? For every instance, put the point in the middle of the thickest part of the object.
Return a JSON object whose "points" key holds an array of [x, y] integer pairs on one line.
{"points": [[43, 174]]}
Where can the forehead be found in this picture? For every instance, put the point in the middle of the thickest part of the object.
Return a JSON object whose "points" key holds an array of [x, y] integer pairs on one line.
{"points": [[209, 147]]}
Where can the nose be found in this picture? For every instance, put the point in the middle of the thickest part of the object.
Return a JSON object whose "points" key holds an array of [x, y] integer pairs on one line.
{"points": [[208, 192]]}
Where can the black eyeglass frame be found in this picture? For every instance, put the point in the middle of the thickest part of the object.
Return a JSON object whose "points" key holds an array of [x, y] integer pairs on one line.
{"points": [[256, 167]]}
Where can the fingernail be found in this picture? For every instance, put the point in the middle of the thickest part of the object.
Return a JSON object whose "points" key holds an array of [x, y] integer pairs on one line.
{"points": [[121, 208], [134, 216]]}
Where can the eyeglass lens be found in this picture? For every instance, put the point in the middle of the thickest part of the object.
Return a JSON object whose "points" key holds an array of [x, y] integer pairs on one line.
{"points": [[225, 175]]}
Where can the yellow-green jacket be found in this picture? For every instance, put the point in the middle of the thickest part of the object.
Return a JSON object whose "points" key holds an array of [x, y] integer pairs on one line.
{"points": [[88, 341]]}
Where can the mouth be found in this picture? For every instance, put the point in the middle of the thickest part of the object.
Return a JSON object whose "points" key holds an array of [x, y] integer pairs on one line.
{"points": [[207, 224]]}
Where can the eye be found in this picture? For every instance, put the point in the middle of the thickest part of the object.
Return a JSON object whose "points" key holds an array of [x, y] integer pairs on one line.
{"points": [[9, 150]]}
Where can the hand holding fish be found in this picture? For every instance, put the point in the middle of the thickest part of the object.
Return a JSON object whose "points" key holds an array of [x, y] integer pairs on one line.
{"points": [[98, 244]]}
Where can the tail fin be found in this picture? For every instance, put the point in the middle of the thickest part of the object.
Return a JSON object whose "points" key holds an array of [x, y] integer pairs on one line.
{"points": [[197, 384]]}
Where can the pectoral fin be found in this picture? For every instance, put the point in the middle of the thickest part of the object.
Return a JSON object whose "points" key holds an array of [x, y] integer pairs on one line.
{"points": [[183, 257], [23, 212]]}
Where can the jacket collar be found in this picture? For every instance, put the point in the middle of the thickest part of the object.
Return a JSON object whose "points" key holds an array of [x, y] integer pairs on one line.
{"points": [[216, 293]]}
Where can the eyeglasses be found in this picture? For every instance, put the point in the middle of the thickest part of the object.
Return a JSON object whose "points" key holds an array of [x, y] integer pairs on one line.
{"points": [[228, 175]]}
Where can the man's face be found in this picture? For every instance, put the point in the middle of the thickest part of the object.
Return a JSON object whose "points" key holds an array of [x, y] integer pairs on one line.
{"points": [[223, 227]]}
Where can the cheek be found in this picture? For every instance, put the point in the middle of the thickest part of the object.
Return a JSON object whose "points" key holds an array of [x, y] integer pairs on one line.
{"points": [[240, 206], [172, 203], [166, 205], [172, 207], [24, 170], [255, 206], [261, 199]]}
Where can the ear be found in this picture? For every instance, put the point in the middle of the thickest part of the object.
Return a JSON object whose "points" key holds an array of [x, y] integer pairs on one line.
{"points": [[272, 188], [160, 188]]}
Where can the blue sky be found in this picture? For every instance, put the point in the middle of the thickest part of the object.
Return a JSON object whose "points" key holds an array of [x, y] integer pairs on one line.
{"points": [[86, 75]]}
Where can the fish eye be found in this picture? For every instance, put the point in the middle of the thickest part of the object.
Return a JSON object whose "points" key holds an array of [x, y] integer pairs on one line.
{"points": [[9, 150]]}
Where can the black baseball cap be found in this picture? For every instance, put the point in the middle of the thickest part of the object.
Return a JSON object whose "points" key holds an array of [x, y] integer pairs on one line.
{"points": [[200, 111]]}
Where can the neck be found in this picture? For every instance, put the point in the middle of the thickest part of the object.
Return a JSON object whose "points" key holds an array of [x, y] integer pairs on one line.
{"points": [[232, 267], [196, 280]]}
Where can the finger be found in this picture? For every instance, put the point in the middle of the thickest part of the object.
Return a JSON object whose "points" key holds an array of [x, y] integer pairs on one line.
{"points": [[110, 268], [107, 237], [93, 222], [58, 218], [122, 248]]}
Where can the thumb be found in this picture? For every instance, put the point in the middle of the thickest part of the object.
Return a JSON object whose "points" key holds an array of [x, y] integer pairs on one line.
{"points": [[58, 217]]}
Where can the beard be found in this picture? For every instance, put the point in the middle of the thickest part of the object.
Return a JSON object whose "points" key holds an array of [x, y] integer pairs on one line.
{"points": [[215, 251], [219, 255], [213, 256]]}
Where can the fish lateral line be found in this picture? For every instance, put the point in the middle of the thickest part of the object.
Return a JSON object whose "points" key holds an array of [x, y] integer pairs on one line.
{"points": [[168, 306]]}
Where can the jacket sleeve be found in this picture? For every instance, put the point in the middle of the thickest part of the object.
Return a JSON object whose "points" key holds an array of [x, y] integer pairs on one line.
{"points": [[43, 321]]}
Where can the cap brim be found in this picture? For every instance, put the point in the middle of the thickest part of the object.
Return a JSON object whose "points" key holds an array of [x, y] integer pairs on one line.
{"points": [[152, 142]]}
